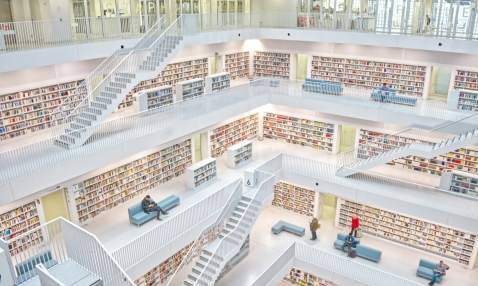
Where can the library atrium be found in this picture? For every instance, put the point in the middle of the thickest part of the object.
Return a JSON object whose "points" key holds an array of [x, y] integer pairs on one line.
{"points": [[238, 142]]}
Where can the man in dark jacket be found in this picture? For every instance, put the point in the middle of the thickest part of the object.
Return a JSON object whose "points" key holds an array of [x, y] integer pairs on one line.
{"points": [[314, 225], [150, 206]]}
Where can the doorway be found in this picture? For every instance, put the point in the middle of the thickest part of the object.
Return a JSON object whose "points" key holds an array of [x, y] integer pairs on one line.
{"points": [[329, 207], [347, 137], [197, 148], [54, 205], [302, 66], [440, 82], [212, 63], [201, 147]]}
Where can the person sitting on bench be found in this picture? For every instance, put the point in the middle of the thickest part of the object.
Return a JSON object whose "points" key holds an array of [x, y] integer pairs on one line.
{"points": [[349, 243], [439, 271], [385, 87], [150, 206]]}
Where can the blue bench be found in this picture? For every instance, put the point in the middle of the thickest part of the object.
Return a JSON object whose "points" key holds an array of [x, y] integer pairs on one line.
{"points": [[425, 269], [138, 216], [318, 85], [27, 270], [360, 250], [282, 225], [274, 82], [341, 240], [392, 97]]}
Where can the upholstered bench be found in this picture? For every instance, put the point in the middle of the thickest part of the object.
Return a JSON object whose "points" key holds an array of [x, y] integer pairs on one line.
{"points": [[425, 269], [341, 240], [274, 82], [282, 225], [367, 252], [138, 216], [27, 270]]}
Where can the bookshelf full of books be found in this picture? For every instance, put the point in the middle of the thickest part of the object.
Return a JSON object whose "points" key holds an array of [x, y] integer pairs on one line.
{"points": [[218, 82], [28, 111], [275, 65], [459, 182], [114, 187], [239, 154], [189, 89], [232, 133], [454, 244], [159, 275], [296, 199], [373, 143], [308, 133], [463, 99], [406, 79], [466, 80], [237, 65], [18, 221], [299, 277], [201, 174]]}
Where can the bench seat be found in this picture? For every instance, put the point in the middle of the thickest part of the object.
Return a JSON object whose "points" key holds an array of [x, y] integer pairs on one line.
{"points": [[360, 250], [138, 216], [425, 269], [282, 225], [317, 85], [341, 239]]}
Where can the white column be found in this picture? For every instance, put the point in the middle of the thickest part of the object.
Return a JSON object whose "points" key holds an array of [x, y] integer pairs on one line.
{"points": [[426, 84], [456, 17], [336, 141], [452, 80]]}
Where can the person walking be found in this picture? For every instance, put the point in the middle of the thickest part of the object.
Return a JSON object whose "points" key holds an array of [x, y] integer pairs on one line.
{"points": [[149, 205], [314, 225], [439, 271], [355, 224], [349, 243]]}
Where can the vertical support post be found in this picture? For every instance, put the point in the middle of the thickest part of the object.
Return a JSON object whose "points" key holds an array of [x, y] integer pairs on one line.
{"points": [[87, 19], [322, 13], [118, 21], [407, 15], [362, 3], [439, 18], [146, 16], [390, 17], [103, 24], [334, 24], [456, 17], [132, 17], [424, 18]]}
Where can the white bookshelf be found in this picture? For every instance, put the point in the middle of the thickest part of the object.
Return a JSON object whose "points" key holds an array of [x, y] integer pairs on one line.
{"points": [[152, 98], [373, 143], [406, 79], [160, 274], [232, 133], [466, 80], [218, 82], [299, 277], [28, 111], [17, 221], [189, 89], [239, 154], [296, 199], [462, 99], [104, 192], [454, 244], [459, 182], [201, 174], [237, 65], [275, 65], [308, 133]]}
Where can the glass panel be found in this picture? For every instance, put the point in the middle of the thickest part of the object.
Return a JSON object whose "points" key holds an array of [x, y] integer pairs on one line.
{"points": [[186, 8], [124, 8], [399, 9], [77, 9], [446, 26], [464, 19], [232, 6], [302, 6], [240, 6], [94, 8], [432, 12], [195, 6], [413, 16], [381, 15], [94, 19], [109, 8], [206, 6], [340, 6]]}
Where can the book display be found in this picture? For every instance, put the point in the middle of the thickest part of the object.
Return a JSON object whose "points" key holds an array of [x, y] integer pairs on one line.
{"points": [[438, 239], [218, 82], [230, 134], [304, 132], [237, 65], [18, 221], [114, 187], [459, 182], [26, 112], [406, 79], [159, 275], [372, 143], [239, 154], [201, 174], [466, 79], [153, 98], [299, 277], [296, 199], [275, 65], [189, 89], [463, 100]]}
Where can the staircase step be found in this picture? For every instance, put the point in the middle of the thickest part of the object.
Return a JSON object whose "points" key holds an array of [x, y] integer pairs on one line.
{"points": [[88, 116], [126, 75], [78, 125], [63, 144], [75, 133], [469, 135], [118, 84], [105, 100], [244, 217], [94, 110], [462, 137], [99, 105], [68, 138], [83, 121], [147, 68], [123, 79], [113, 89], [108, 94], [189, 282]]}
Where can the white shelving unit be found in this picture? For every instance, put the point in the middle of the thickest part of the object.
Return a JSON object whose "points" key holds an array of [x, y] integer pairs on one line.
{"points": [[454, 244], [230, 134], [275, 65], [201, 174], [218, 82], [237, 65], [466, 80], [239, 154], [152, 98], [459, 182], [308, 133], [106, 191], [462, 99], [189, 89], [299, 277], [406, 79], [297, 199]]}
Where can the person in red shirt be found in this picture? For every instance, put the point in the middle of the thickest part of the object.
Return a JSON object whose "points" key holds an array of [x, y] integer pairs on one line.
{"points": [[355, 223]]}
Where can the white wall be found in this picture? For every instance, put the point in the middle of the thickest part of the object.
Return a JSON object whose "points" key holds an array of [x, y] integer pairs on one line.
{"points": [[273, 5], [59, 9], [40, 9], [20, 10]]}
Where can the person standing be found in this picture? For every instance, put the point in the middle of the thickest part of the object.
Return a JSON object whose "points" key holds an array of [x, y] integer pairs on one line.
{"points": [[149, 205], [355, 223], [349, 243], [440, 270], [314, 225]]}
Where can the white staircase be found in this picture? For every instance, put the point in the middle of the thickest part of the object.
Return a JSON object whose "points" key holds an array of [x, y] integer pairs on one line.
{"points": [[363, 163], [139, 64], [215, 256]]}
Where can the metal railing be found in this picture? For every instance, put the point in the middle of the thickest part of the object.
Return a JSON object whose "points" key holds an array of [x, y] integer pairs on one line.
{"points": [[45, 278], [147, 244], [56, 242], [189, 260], [333, 264]]}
